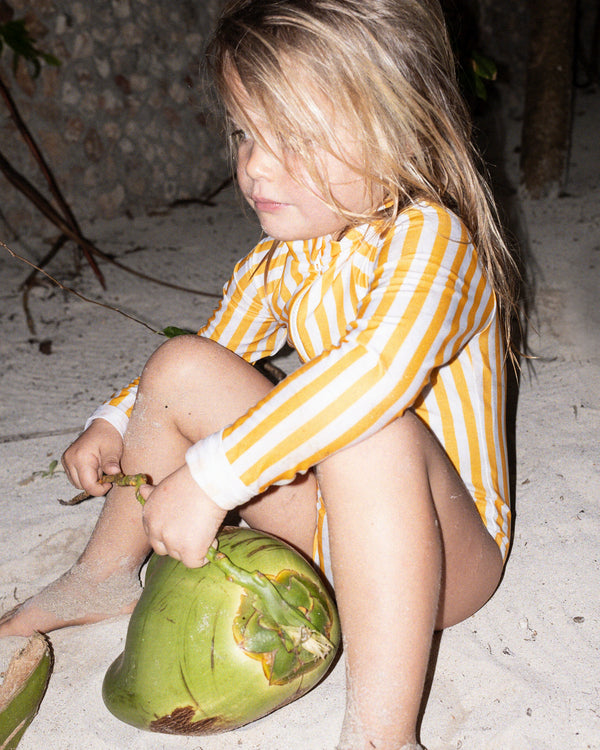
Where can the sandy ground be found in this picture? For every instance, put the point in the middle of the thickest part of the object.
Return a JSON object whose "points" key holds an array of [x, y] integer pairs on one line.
{"points": [[522, 674]]}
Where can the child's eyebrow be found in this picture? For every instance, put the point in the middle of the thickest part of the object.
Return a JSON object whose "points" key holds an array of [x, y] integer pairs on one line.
{"points": [[239, 121]]}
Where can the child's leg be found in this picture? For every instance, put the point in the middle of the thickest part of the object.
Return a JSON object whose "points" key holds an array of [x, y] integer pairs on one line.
{"points": [[190, 388], [410, 554], [102, 583]]}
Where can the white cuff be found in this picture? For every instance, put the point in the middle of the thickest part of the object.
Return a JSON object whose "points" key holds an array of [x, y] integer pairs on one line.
{"points": [[213, 473], [115, 416]]}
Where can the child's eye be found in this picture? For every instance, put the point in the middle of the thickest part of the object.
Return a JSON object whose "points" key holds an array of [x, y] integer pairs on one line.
{"points": [[238, 136]]}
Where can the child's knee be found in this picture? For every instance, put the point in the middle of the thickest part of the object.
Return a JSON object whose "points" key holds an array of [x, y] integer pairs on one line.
{"points": [[186, 366], [176, 360]]}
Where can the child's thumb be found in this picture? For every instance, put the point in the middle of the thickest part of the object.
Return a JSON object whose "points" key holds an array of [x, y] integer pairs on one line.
{"points": [[111, 466]]}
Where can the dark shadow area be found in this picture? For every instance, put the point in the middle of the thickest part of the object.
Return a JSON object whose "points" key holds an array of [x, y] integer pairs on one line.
{"points": [[491, 114], [491, 139], [433, 657]]}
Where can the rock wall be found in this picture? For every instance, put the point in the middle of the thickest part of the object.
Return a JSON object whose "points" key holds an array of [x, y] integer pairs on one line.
{"points": [[127, 121]]}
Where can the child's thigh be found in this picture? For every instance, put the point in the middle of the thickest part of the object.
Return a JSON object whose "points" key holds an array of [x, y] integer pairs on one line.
{"points": [[398, 475], [288, 512], [472, 561]]}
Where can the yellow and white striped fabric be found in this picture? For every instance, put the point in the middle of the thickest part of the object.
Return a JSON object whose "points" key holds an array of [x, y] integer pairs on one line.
{"points": [[382, 321]]}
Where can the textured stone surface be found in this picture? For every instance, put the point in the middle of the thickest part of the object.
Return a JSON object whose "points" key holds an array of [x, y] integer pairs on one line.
{"points": [[127, 121]]}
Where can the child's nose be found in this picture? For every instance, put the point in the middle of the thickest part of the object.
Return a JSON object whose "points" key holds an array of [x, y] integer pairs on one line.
{"points": [[261, 161]]}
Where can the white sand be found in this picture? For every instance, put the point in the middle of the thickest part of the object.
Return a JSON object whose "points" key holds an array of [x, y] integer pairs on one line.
{"points": [[521, 674]]}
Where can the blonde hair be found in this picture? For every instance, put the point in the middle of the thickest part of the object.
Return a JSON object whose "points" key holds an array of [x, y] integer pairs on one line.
{"points": [[387, 67]]}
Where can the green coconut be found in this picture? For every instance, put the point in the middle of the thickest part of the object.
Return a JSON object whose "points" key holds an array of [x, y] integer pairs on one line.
{"points": [[213, 648], [25, 666]]}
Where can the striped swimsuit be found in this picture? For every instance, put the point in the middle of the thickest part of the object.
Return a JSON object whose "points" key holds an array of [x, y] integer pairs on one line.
{"points": [[382, 321]]}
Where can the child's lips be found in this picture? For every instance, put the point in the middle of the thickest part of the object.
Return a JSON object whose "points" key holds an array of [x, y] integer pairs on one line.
{"points": [[266, 204]]}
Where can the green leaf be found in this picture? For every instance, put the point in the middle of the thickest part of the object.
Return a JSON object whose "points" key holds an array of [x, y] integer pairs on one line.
{"points": [[172, 331], [483, 67], [480, 89], [51, 59], [19, 40], [51, 469]]}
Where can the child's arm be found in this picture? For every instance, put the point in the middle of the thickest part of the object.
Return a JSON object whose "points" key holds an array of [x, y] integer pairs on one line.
{"points": [[117, 410], [243, 299], [427, 298], [246, 321], [99, 447]]}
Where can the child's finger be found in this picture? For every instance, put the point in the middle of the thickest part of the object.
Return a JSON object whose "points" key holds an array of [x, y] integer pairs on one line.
{"points": [[161, 549], [110, 462], [90, 482], [111, 466]]}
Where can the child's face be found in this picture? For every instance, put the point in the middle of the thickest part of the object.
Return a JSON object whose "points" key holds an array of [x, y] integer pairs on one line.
{"points": [[277, 186]]}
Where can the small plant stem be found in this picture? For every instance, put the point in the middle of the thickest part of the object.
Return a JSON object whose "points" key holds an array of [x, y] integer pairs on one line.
{"points": [[121, 480], [127, 480], [289, 618]]}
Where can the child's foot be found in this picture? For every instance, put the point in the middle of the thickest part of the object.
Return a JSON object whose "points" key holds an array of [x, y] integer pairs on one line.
{"points": [[76, 598]]}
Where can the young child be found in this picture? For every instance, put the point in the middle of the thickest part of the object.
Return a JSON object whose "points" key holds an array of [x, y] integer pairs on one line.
{"points": [[384, 455]]}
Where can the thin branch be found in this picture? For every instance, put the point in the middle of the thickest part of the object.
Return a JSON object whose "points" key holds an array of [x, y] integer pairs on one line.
{"points": [[203, 200], [34, 195], [154, 280], [78, 294], [27, 285], [47, 172]]}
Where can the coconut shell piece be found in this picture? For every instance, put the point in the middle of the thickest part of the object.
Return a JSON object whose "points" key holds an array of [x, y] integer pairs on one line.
{"points": [[25, 667]]}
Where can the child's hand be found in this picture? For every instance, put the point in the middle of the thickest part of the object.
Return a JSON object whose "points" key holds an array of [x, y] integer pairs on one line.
{"points": [[180, 519], [96, 451]]}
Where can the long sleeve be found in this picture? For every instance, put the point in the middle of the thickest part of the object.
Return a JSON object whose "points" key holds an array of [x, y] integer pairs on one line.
{"points": [[242, 322], [118, 408], [377, 328]]}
